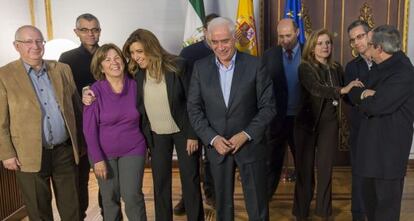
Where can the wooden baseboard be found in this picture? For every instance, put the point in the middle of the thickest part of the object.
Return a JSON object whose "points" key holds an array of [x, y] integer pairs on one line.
{"points": [[17, 215], [411, 163]]}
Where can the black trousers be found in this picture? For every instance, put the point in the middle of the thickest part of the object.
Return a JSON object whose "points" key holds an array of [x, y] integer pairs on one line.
{"points": [[83, 171], [161, 162], [58, 167], [382, 198], [208, 183], [253, 179], [278, 135], [357, 207], [322, 144]]}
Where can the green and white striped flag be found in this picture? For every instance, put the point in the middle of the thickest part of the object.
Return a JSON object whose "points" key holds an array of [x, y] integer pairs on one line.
{"points": [[193, 31]]}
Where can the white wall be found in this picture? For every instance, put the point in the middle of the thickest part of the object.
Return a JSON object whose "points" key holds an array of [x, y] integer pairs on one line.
{"points": [[118, 19], [15, 13], [410, 51]]}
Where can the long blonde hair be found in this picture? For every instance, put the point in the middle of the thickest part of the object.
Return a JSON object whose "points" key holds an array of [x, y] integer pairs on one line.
{"points": [[159, 60]]}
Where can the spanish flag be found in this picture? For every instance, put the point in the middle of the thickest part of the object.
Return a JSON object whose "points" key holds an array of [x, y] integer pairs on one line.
{"points": [[245, 28]]}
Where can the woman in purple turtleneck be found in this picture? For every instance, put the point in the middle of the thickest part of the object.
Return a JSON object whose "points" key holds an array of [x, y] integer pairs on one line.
{"points": [[116, 145]]}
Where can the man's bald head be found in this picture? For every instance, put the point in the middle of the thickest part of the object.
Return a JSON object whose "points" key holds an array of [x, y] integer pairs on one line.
{"points": [[20, 30], [287, 33]]}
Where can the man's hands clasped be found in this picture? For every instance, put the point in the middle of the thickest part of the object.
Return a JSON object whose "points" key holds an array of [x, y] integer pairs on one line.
{"points": [[224, 146]]}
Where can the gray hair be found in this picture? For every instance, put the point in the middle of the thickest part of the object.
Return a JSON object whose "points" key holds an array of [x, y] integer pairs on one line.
{"points": [[220, 21], [87, 17], [21, 28], [361, 23], [388, 37]]}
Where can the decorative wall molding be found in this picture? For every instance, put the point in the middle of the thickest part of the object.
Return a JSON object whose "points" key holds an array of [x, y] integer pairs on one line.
{"points": [[49, 23], [405, 25], [366, 14]]}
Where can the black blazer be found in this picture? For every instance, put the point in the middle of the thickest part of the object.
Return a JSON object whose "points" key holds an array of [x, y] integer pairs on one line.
{"points": [[273, 61], [316, 91], [251, 105], [357, 68], [177, 85], [386, 131]]}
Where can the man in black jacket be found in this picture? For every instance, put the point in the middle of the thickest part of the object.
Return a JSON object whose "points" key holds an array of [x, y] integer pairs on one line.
{"points": [[79, 59], [357, 69], [282, 64], [386, 131], [191, 54]]}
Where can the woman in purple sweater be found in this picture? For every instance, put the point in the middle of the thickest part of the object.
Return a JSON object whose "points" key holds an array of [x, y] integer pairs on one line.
{"points": [[116, 145]]}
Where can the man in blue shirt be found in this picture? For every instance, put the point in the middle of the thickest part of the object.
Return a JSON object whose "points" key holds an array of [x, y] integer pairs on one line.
{"points": [[282, 63], [39, 138], [230, 102]]}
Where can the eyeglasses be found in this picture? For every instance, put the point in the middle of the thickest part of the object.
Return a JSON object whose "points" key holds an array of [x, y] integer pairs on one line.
{"points": [[31, 42], [87, 30], [371, 44], [358, 37]]}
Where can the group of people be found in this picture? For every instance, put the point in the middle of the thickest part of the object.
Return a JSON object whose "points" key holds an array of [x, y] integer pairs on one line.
{"points": [[142, 101]]}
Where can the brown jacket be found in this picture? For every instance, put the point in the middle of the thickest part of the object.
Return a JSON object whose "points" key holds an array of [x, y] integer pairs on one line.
{"points": [[21, 115], [316, 90]]}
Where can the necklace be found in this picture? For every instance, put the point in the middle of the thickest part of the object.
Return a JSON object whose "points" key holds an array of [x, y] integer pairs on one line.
{"points": [[334, 101]]}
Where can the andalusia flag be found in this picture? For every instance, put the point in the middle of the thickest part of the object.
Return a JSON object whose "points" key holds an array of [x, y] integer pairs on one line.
{"points": [[193, 31], [245, 28]]}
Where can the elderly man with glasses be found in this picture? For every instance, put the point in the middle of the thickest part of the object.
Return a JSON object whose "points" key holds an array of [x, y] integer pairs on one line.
{"points": [[38, 134], [386, 130]]}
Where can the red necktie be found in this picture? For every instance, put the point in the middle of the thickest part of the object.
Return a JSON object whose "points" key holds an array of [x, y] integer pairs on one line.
{"points": [[289, 53]]}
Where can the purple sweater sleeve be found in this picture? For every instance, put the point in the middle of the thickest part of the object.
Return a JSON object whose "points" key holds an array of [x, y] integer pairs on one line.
{"points": [[91, 131]]}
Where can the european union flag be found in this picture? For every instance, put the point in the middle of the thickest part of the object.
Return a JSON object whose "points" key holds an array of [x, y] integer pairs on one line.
{"points": [[293, 10]]}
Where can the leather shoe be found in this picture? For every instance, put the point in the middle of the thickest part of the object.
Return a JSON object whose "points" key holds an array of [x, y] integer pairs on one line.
{"points": [[179, 209]]}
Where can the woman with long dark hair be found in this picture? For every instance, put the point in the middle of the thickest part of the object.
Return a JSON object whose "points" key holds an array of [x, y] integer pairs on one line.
{"points": [[162, 95]]}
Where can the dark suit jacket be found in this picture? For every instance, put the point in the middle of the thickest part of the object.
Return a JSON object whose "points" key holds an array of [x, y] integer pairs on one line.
{"points": [[357, 68], [251, 105], [386, 131], [177, 85]]}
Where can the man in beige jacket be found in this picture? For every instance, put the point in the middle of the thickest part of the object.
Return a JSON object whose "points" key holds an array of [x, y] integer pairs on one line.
{"points": [[38, 133]]}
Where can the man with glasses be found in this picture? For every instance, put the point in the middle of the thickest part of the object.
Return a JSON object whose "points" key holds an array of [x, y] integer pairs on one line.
{"points": [[79, 59], [386, 130], [357, 69], [38, 134]]}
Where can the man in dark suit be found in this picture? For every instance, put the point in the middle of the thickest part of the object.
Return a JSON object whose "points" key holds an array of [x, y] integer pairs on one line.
{"points": [[191, 54], [230, 102], [282, 64], [386, 131], [357, 69], [79, 59]]}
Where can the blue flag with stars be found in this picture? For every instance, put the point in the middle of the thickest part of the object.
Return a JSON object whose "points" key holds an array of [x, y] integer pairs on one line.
{"points": [[293, 10]]}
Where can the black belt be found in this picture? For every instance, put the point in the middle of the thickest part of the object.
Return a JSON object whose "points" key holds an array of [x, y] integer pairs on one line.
{"points": [[64, 143]]}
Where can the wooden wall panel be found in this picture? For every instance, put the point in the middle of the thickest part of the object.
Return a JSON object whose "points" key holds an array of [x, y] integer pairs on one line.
{"points": [[336, 16], [10, 197]]}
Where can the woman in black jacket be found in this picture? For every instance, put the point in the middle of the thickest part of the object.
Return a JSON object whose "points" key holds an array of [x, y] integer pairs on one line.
{"points": [[161, 99], [317, 124]]}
